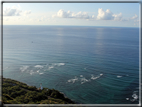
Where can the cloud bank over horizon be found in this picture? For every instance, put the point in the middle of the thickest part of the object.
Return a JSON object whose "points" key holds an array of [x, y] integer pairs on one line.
{"points": [[102, 15], [20, 14], [63, 14]]}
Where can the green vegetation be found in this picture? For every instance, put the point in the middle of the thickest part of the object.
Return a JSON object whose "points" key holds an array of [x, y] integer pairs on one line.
{"points": [[15, 92]]}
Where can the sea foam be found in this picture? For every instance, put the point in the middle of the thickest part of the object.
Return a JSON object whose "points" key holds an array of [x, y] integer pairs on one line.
{"points": [[50, 67], [31, 72], [53, 65], [41, 73], [93, 77], [119, 76], [58, 64], [73, 80], [83, 80], [38, 66], [24, 68]]}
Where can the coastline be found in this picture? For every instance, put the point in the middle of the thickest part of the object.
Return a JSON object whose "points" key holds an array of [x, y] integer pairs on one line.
{"points": [[14, 90]]}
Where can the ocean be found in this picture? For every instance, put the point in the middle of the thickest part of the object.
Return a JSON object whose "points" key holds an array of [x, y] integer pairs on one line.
{"points": [[90, 65]]}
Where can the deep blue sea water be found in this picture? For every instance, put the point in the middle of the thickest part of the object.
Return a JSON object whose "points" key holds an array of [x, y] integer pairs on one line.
{"points": [[90, 65]]}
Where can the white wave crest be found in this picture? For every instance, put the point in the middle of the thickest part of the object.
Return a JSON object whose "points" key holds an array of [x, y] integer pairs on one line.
{"points": [[31, 72], [93, 77], [58, 64], [119, 76], [50, 67], [37, 71], [38, 66], [135, 97], [23, 68], [41, 73], [83, 80], [73, 80], [55, 65]]}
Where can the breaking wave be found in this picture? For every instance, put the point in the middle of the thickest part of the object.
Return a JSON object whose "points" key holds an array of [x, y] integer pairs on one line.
{"points": [[41, 73], [134, 97], [73, 80], [24, 68], [35, 69], [93, 78], [119, 76], [82, 79], [60, 64], [50, 67], [38, 66], [53, 65]]}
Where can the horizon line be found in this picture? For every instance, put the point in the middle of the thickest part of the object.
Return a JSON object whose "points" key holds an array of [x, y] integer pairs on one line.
{"points": [[75, 25]]}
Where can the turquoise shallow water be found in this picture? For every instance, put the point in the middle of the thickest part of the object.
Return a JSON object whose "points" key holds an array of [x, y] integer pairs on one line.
{"points": [[90, 65]]}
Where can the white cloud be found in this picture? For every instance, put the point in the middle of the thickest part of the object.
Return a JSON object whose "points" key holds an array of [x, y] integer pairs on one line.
{"points": [[15, 11], [102, 15], [118, 17], [12, 11], [108, 15], [93, 16], [136, 21], [80, 15], [63, 14], [134, 17]]}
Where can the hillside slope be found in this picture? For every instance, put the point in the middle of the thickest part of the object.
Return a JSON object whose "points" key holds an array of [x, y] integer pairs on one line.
{"points": [[15, 92]]}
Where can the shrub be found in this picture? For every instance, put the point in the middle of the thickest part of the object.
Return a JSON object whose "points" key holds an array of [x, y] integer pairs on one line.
{"points": [[32, 88], [14, 92]]}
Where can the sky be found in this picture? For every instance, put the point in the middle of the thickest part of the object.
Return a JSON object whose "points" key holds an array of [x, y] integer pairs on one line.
{"points": [[74, 14]]}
